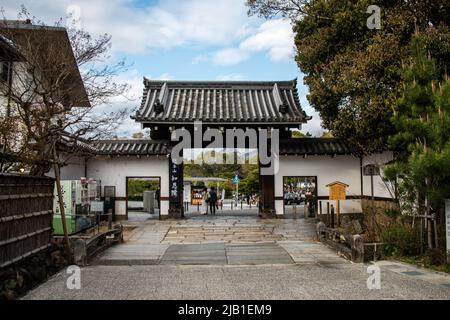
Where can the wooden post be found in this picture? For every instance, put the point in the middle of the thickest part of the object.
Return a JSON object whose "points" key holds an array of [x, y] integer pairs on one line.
{"points": [[328, 214], [338, 210], [304, 210], [109, 220], [320, 209], [61, 202], [332, 216]]}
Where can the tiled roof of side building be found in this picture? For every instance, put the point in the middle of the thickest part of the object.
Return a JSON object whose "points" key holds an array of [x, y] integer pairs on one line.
{"points": [[315, 146], [304, 146], [220, 102], [131, 147]]}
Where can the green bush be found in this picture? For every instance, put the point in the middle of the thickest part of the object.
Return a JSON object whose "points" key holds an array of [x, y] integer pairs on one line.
{"points": [[401, 240], [392, 213]]}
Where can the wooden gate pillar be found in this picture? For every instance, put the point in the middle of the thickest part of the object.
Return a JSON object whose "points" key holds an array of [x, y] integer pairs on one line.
{"points": [[176, 209], [267, 196]]}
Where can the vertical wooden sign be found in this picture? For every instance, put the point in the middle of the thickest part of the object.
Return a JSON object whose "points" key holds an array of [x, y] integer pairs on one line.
{"points": [[447, 227], [175, 190]]}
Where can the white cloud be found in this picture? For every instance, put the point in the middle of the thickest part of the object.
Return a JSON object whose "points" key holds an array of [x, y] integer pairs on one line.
{"points": [[131, 100], [165, 76], [166, 24], [274, 37], [230, 56], [314, 126], [200, 58], [231, 77]]}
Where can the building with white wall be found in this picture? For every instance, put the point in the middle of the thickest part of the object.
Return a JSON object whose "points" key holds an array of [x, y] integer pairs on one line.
{"points": [[328, 160], [227, 106]]}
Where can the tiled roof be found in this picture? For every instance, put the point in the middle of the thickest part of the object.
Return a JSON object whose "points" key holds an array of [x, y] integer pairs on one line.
{"points": [[131, 147], [301, 146], [220, 102], [71, 143], [315, 146]]}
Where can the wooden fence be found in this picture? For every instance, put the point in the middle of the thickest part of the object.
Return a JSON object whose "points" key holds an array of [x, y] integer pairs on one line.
{"points": [[26, 214]]}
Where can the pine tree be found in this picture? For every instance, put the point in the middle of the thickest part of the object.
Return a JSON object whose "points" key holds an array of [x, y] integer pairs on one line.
{"points": [[422, 120]]}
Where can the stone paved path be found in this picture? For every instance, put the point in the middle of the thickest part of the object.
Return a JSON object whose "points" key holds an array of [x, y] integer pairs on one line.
{"points": [[237, 258], [211, 236]]}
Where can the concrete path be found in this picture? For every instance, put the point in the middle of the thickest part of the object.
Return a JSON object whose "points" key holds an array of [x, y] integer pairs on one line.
{"points": [[237, 258], [303, 282]]}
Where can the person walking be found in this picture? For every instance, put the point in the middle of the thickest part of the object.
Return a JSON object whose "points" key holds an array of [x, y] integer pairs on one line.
{"points": [[205, 201], [212, 200]]}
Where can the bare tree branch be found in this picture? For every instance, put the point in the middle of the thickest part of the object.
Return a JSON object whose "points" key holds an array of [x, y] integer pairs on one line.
{"points": [[50, 98]]}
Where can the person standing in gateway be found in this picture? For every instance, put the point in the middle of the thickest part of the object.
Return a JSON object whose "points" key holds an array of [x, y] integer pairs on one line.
{"points": [[205, 201], [212, 200]]}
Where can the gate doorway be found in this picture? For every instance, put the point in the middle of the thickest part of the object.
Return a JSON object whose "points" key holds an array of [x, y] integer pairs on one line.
{"points": [[236, 185], [299, 196], [143, 198]]}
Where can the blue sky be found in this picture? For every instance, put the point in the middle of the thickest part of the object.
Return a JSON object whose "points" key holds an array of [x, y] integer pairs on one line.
{"points": [[181, 40]]}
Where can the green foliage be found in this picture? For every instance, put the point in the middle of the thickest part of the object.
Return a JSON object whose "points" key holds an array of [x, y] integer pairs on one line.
{"points": [[299, 134], [401, 240], [422, 120], [392, 213], [249, 174], [354, 74], [136, 188]]}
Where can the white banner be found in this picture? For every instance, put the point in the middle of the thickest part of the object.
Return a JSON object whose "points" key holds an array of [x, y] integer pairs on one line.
{"points": [[447, 225]]}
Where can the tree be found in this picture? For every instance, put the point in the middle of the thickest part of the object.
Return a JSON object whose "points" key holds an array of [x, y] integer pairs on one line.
{"points": [[354, 73], [299, 134], [271, 8], [422, 121], [50, 99], [53, 103], [327, 134], [137, 135]]}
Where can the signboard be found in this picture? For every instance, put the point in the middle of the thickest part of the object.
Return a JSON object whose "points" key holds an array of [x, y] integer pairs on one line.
{"points": [[187, 192], [197, 195], [97, 206], [175, 182], [236, 180], [447, 226], [371, 170], [337, 190]]}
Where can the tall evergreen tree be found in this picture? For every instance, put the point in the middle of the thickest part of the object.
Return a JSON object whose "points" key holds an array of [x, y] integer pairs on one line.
{"points": [[353, 72], [422, 120]]}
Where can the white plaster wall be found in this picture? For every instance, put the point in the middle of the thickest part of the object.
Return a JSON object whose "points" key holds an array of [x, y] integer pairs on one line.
{"points": [[114, 171], [379, 187], [327, 169], [74, 170]]}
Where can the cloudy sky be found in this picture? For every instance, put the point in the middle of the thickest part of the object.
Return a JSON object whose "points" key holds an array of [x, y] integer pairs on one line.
{"points": [[182, 40]]}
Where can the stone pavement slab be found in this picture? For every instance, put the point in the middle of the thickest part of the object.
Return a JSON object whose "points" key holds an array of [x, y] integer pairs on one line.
{"points": [[411, 271], [132, 254], [224, 253]]}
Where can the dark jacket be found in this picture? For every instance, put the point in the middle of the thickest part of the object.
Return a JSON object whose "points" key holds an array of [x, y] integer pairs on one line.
{"points": [[213, 196]]}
